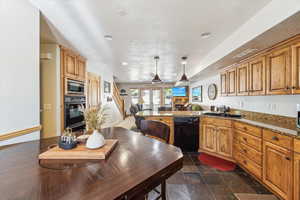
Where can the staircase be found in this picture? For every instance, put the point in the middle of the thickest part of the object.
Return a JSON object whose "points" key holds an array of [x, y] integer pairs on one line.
{"points": [[119, 100]]}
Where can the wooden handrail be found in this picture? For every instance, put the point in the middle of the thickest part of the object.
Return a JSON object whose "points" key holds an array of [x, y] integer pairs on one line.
{"points": [[119, 100]]}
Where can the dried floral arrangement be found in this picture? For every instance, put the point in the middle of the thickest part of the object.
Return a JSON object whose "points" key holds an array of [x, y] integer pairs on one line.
{"points": [[95, 117]]}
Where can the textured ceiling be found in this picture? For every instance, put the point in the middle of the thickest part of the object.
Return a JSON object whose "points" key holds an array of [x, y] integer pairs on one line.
{"points": [[142, 29]]}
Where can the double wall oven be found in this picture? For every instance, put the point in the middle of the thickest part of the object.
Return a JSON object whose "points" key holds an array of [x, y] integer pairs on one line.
{"points": [[74, 102]]}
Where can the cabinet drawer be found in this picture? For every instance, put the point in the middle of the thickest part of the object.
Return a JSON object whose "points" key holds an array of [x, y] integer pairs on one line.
{"points": [[251, 166], [251, 153], [250, 140], [252, 130], [167, 120], [278, 139], [217, 121]]}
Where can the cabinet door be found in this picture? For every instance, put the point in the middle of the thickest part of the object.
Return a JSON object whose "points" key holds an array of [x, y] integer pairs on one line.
{"points": [[277, 169], [279, 72], [70, 64], [81, 69], [93, 90], [224, 141], [209, 138], [231, 89], [257, 80], [223, 84], [242, 79], [296, 68], [296, 176]]}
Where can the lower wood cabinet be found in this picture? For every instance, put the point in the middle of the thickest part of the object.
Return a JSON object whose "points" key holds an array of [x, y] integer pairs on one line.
{"points": [[209, 138], [224, 141], [278, 169], [217, 139], [296, 176]]}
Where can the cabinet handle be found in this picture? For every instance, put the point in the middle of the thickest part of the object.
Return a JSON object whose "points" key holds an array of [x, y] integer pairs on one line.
{"points": [[245, 162], [245, 128], [275, 138], [245, 151], [287, 158], [245, 139], [293, 87]]}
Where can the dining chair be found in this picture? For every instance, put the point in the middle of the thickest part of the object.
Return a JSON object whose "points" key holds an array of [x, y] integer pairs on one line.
{"points": [[155, 129], [159, 131]]}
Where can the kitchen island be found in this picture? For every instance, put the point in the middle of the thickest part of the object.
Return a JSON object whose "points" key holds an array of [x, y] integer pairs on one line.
{"points": [[136, 166]]}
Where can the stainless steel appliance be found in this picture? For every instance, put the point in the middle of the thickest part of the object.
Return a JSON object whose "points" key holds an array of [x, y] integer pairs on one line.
{"points": [[74, 117], [74, 87]]}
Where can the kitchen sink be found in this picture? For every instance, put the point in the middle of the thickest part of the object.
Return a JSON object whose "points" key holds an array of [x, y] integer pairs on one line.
{"points": [[223, 115]]}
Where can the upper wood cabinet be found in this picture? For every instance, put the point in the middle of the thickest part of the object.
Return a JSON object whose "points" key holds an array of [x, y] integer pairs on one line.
{"points": [[224, 141], [74, 65], [278, 69], [93, 90], [223, 78], [277, 169], [257, 80], [242, 79], [231, 79], [296, 68]]}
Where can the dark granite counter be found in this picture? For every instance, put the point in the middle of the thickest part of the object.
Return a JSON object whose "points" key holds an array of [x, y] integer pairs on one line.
{"points": [[281, 130]]}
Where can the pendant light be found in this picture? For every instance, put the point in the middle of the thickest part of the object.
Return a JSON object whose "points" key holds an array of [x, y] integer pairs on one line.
{"points": [[156, 78], [184, 77]]}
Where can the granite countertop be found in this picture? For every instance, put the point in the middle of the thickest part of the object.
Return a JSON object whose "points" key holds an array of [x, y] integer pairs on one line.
{"points": [[289, 132]]}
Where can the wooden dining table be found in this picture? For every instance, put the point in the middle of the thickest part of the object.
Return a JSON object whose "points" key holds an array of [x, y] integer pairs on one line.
{"points": [[136, 166]]}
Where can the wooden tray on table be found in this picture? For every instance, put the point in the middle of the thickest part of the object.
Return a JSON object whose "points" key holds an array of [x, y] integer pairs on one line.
{"points": [[80, 152]]}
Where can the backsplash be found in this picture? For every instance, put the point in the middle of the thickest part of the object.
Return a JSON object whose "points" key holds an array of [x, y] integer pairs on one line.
{"points": [[283, 105], [276, 120]]}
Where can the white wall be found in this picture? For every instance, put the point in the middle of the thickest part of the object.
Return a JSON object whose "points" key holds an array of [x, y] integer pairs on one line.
{"points": [[279, 105], [19, 66]]}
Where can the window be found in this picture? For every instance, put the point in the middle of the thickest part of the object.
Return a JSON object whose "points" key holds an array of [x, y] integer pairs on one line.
{"points": [[167, 96], [135, 94]]}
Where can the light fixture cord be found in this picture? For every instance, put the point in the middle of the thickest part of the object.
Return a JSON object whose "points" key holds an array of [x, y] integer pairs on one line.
{"points": [[156, 66]]}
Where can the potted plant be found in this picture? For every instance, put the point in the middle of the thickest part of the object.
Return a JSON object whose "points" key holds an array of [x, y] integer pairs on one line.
{"points": [[94, 119]]}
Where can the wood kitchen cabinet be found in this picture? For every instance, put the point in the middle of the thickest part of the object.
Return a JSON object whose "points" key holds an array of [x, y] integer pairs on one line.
{"points": [[74, 65], [242, 79], [296, 68], [296, 176], [277, 169], [278, 69], [231, 82], [93, 90], [223, 78], [257, 80], [224, 141], [209, 138]]}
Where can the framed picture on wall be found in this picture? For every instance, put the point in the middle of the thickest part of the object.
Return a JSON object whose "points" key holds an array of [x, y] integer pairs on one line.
{"points": [[197, 94], [106, 87]]}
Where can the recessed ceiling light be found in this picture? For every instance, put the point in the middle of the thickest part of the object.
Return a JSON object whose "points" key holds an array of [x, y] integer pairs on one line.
{"points": [[124, 63], [205, 35], [108, 37]]}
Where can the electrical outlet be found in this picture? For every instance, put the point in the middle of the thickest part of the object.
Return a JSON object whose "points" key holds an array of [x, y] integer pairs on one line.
{"points": [[242, 104]]}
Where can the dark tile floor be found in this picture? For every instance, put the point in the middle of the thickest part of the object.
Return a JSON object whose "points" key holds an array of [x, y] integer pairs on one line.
{"points": [[200, 182]]}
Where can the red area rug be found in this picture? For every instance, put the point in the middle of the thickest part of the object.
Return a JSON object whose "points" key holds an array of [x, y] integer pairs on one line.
{"points": [[216, 162]]}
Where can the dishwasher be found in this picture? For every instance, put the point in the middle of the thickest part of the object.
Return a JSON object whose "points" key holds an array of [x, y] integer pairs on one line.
{"points": [[186, 133]]}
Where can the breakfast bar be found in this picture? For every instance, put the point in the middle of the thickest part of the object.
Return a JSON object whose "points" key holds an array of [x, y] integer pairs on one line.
{"points": [[136, 166]]}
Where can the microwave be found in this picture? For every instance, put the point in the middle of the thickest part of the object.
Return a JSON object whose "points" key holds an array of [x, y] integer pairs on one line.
{"points": [[75, 87]]}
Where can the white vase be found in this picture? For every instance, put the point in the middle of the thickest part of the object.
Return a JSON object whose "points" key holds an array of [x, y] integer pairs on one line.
{"points": [[95, 141]]}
